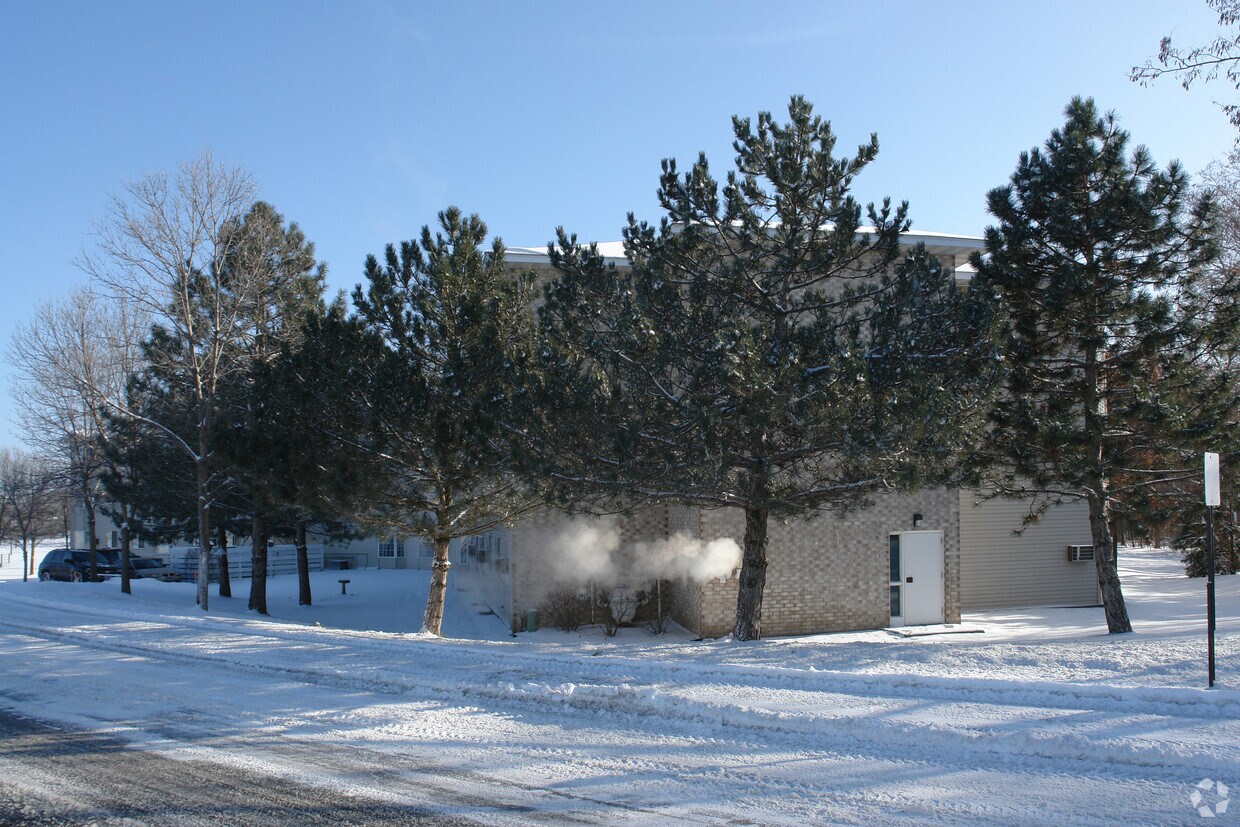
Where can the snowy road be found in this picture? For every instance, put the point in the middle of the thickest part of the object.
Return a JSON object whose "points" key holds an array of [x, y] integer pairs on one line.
{"points": [[512, 733], [57, 776]]}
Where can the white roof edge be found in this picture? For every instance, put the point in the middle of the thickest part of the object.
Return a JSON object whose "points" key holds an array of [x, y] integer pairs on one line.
{"points": [[613, 251]]}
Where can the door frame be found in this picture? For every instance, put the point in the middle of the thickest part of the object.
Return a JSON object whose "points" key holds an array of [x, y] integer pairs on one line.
{"points": [[903, 581]]}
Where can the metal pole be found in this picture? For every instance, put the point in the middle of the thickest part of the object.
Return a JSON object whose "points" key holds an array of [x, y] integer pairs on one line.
{"points": [[1210, 591]]}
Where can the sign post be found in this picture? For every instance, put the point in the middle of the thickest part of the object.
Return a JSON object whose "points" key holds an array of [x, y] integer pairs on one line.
{"points": [[1212, 500]]}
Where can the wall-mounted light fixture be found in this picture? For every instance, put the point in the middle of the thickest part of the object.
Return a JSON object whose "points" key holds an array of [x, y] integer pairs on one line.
{"points": [[918, 520]]}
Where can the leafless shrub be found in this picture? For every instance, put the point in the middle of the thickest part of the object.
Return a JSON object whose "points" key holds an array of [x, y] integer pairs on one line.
{"points": [[565, 609], [651, 609], [658, 624], [621, 606]]}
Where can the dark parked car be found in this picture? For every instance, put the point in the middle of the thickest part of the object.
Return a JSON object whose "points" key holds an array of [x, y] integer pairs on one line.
{"points": [[140, 567], [74, 564], [153, 568]]}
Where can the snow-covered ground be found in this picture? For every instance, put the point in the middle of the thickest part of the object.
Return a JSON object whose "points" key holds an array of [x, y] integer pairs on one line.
{"points": [[1040, 718]]}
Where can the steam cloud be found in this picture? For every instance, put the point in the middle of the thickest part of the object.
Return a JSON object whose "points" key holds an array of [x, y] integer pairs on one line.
{"points": [[589, 549], [582, 549], [683, 556]]}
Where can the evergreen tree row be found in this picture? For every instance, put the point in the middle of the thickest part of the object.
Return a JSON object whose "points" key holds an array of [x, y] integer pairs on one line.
{"points": [[770, 346]]}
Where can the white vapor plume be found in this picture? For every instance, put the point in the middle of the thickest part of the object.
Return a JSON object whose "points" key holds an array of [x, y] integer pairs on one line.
{"points": [[581, 549], [683, 556], [589, 550]]}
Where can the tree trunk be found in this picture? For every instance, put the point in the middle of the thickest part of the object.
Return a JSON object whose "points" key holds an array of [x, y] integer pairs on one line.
{"points": [[25, 561], [433, 620], [258, 578], [1100, 497], [221, 535], [204, 535], [1233, 554], [1104, 563], [125, 556], [753, 576], [92, 542], [303, 566]]}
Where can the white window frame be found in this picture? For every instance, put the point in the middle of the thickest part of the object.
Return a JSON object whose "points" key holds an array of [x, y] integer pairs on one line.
{"points": [[392, 547]]}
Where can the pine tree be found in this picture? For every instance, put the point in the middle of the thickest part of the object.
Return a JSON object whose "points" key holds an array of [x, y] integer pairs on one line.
{"points": [[247, 438], [1098, 256], [311, 439], [1190, 540], [763, 350], [438, 330]]}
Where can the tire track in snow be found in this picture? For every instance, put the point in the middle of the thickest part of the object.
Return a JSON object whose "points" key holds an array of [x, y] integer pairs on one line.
{"points": [[640, 704], [1165, 701]]}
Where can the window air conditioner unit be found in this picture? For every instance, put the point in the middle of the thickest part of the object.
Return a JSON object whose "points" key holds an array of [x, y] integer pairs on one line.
{"points": [[1080, 554]]}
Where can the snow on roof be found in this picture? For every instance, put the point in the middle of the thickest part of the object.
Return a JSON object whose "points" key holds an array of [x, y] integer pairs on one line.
{"points": [[947, 244], [610, 249]]}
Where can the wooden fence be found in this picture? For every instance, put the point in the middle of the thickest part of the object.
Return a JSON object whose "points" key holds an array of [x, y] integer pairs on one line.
{"points": [[281, 559]]}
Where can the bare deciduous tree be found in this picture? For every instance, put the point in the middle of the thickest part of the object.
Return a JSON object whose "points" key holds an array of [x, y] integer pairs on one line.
{"points": [[165, 246], [1222, 180], [7, 533], [71, 361], [1221, 56], [28, 483]]}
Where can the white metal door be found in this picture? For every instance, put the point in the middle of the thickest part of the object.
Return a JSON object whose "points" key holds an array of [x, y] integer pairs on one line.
{"points": [[917, 594]]}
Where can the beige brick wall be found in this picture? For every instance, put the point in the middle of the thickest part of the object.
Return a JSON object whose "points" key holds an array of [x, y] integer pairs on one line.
{"points": [[830, 573], [684, 603], [685, 596], [532, 571]]}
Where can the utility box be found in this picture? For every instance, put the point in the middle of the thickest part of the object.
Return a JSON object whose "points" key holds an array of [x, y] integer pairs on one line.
{"points": [[1080, 554]]}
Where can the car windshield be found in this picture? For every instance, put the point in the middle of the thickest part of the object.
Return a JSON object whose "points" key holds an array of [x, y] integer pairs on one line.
{"points": [[81, 556], [146, 563]]}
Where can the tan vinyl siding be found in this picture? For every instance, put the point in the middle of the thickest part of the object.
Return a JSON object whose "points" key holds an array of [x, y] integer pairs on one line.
{"points": [[1000, 570]]}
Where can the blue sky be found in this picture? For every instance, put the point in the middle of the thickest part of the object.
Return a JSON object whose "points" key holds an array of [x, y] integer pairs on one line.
{"points": [[361, 120]]}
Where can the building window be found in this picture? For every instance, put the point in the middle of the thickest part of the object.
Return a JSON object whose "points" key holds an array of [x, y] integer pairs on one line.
{"points": [[392, 546], [897, 608]]}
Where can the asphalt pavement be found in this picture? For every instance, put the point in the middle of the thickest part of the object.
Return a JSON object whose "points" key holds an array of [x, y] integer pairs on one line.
{"points": [[51, 775]]}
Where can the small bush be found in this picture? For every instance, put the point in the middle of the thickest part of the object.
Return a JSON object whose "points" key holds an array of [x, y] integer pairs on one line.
{"points": [[658, 624], [621, 605], [651, 611], [564, 609]]}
